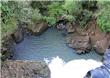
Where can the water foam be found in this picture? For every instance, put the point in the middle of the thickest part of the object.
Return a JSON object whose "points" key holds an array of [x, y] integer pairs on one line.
{"points": [[72, 69]]}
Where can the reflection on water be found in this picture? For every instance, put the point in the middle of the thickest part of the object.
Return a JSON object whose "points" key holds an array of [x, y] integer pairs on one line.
{"points": [[72, 69]]}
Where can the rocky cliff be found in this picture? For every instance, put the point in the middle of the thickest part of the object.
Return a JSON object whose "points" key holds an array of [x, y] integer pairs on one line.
{"points": [[24, 69]]}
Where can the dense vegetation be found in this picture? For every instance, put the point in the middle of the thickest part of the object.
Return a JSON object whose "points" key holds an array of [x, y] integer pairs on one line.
{"points": [[14, 12], [103, 18]]}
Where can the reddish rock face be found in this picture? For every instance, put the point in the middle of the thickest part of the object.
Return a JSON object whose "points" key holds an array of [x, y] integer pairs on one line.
{"points": [[24, 69], [90, 38], [81, 43], [99, 40]]}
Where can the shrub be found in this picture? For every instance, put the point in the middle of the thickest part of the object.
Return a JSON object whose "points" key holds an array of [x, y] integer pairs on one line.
{"points": [[55, 9], [85, 17], [50, 20], [103, 16], [8, 21], [36, 16], [72, 7]]}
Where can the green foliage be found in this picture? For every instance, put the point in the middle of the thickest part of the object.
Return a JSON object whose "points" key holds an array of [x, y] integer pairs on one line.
{"points": [[55, 9], [50, 20], [103, 16], [8, 22], [9, 26], [70, 18], [85, 17], [36, 16], [90, 5], [13, 12], [72, 7]]}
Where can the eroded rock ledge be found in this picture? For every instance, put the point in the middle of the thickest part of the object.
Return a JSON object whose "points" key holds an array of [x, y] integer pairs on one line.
{"points": [[24, 69], [91, 38]]}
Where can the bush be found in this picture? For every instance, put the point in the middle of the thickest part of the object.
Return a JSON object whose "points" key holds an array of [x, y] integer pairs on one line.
{"points": [[72, 7], [8, 21], [14, 12], [103, 16], [55, 9], [36, 16], [85, 17], [50, 20]]}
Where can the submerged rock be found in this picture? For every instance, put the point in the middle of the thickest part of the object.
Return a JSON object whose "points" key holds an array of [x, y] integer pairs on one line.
{"points": [[81, 43], [24, 69], [103, 71], [38, 28]]}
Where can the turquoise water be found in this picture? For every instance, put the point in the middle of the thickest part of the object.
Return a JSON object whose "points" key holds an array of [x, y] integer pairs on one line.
{"points": [[47, 46]]}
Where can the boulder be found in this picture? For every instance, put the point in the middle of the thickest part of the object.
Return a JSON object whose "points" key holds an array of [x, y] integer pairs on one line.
{"points": [[24, 69], [81, 43], [101, 46], [38, 28]]}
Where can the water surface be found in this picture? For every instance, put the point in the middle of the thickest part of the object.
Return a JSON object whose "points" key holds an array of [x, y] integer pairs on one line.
{"points": [[48, 45]]}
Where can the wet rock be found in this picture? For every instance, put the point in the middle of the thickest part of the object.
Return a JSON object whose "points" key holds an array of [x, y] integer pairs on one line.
{"points": [[18, 36], [38, 28], [81, 43], [24, 69], [60, 26]]}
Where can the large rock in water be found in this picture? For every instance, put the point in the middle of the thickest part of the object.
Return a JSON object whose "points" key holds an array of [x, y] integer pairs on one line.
{"points": [[24, 69], [38, 28], [81, 43]]}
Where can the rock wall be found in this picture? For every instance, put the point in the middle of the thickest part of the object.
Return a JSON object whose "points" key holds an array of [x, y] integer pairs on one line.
{"points": [[90, 38], [24, 69]]}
